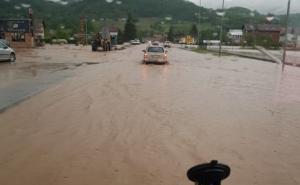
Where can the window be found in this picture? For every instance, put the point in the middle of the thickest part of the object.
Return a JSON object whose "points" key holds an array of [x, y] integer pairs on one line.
{"points": [[18, 37], [2, 45], [156, 49]]}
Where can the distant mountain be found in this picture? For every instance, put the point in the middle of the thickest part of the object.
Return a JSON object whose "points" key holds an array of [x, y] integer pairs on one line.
{"points": [[102, 8], [55, 13], [68, 12], [294, 20]]}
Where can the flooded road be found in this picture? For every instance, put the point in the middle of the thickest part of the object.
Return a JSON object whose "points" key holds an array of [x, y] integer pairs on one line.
{"points": [[37, 69], [125, 123]]}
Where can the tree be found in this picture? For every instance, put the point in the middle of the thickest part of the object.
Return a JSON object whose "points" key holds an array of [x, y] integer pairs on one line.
{"points": [[249, 40], [265, 41], [194, 31], [130, 31], [207, 34], [62, 33], [171, 34], [157, 27], [120, 36]]}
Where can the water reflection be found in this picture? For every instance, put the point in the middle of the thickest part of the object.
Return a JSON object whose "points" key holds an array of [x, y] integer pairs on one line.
{"points": [[155, 71]]}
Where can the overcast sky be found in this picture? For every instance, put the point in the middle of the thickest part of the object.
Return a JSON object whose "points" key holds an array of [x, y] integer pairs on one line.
{"points": [[264, 6]]}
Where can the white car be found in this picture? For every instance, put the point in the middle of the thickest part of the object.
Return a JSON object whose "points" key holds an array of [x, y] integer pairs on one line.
{"points": [[59, 41], [167, 44], [7, 53], [156, 54], [135, 42], [5, 42]]}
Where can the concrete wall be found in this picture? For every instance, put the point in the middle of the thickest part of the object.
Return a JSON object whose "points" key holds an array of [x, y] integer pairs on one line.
{"points": [[29, 41]]}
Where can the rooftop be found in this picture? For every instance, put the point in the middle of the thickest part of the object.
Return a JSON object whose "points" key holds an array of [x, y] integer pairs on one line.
{"points": [[262, 27], [236, 32]]}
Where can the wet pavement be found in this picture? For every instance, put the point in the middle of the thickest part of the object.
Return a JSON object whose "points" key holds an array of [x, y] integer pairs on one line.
{"points": [[122, 122], [292, 57], [37, 69]]}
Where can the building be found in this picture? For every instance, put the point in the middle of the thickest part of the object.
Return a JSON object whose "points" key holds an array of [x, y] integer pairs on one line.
{"points": [[178, 37], [211, 42], [18, 32], [188, 39], [293, 38], [235, 36], [159, 37], [39, 32], [269, 30], [263, 30], [110, 32], [249, 28], [22, 33]]}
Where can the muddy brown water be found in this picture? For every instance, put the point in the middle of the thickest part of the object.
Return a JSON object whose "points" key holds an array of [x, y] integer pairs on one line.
{"points": [[125, 123]]}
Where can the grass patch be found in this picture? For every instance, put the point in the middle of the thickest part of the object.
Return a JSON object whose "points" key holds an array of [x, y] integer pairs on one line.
{"points": [[201, 50], [213, 52]]}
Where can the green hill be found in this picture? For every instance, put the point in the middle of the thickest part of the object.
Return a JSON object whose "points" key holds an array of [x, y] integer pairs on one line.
{"points": [[150, 15], [293, 21]]}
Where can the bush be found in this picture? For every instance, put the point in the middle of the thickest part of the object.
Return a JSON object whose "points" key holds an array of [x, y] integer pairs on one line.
{"points": [[248, 40], [47, 40], [264, 41]]}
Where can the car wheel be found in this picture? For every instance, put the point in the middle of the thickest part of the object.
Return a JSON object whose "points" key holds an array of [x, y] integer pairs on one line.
{"points": [[12, 57]]}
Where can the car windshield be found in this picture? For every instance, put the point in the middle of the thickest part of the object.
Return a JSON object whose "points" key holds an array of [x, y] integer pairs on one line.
{"points": [[2, 45], [156, 49]]}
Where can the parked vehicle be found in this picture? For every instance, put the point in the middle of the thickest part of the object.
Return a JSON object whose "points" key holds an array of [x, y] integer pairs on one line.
{"points": [[59, 41], [167, 44], [135, 42], [155, 54], [7, 53], [5, 42]]}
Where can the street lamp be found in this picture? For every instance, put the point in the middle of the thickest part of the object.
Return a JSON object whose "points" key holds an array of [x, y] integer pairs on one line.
{"points": [[221, 28], [286, 33]]}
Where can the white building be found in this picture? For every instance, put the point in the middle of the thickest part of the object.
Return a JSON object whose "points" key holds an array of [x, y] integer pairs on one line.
{"points": [[235, 36], [211, 42]]}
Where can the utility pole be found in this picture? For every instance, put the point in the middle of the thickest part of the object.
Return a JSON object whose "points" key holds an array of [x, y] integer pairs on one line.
{"points": [[221, 29], [286, 34], [199, 17], [86, 30]]}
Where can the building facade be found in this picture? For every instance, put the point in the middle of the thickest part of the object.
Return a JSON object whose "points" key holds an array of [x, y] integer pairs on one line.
{"points": [[39, 32], [263, 30], [235, 36], [18, 32]]}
